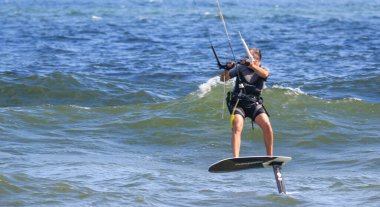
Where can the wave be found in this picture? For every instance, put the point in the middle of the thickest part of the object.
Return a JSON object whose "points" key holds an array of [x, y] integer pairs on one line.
{"points": [[303, 120], [308, 119], [213, 85], [58, 88]]}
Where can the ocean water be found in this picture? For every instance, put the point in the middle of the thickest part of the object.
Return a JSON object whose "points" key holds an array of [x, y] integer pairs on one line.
{"points": [[118, 103]]}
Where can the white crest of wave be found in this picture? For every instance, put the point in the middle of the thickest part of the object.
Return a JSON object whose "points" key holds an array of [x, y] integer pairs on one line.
{"points": [[205, 88], [296, 91]]}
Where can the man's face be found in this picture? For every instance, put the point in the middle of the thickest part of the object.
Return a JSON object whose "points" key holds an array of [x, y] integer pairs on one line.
{"points": [[255, 54], [256, 57]]}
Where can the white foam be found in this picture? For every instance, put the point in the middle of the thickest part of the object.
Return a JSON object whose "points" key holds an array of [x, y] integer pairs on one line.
{"points": [[353, 99], [291, 90], [96, 18], [205, 88], [292, 192], [80, 107]]}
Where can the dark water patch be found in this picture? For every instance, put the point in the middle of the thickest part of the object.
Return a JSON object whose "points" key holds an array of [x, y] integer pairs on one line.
{"points": [[362, 87], [45, 191], [6, 186], [283, 200], [38, 90]]}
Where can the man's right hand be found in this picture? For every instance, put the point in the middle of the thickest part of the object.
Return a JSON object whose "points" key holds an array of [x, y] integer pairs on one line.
{"points": [[230, 65]]}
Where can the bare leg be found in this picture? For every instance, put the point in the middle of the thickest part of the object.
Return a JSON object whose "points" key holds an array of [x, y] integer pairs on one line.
{"points": [[238, 124], [263, 121]]}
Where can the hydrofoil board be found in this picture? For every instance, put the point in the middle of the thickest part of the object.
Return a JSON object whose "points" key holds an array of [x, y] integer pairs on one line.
{"points": [[244, 163]]}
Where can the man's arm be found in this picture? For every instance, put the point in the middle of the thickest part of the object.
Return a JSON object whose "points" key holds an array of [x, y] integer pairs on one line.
{"points": [[262, 72], [225, 76]]}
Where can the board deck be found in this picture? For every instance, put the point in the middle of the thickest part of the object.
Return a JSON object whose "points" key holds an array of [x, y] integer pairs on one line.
{"points": [[244, 163]]}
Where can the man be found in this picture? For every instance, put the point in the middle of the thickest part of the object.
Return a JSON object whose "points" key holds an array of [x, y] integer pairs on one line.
{"points": [[245, 100]]}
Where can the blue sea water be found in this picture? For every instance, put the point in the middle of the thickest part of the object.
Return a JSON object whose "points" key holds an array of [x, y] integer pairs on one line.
{"points": [[118, 103]]}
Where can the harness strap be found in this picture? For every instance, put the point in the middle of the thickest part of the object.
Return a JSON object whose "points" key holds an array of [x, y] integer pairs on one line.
{"points": [[232, 114], [259, 106]]}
